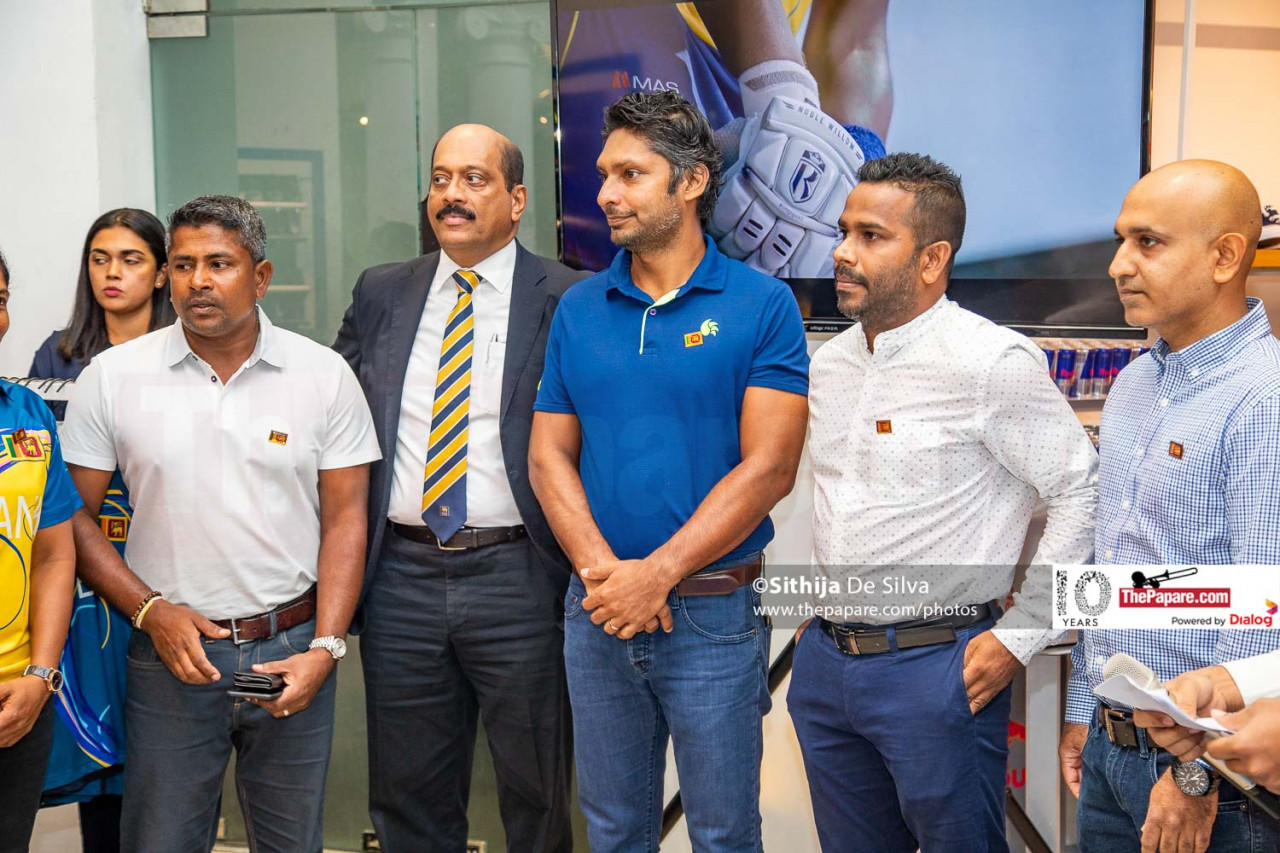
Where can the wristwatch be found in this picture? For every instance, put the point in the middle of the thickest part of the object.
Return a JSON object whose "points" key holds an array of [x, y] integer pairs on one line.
{"points": [[51, 677], [1194, 779], [335, 646]]}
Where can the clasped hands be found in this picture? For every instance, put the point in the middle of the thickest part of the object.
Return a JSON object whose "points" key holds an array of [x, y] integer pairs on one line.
{"points": [[629, 596]]}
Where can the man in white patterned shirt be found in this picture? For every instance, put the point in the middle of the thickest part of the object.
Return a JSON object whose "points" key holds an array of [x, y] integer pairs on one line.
{"points": [[932, 432], [1188, 475]]}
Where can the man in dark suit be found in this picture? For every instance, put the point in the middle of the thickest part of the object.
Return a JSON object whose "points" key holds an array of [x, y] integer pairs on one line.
{"points": [[462, 609]]}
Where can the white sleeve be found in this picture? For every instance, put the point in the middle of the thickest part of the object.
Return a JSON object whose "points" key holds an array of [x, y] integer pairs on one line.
{"points": [[87, 435], [349, 437], [1030, 429], [1257, 677]]}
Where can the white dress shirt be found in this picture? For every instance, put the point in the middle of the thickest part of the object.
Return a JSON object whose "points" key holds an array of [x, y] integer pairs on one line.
{"points": [[224, 479], [930, 453], [1257, 677], [490, 502]]}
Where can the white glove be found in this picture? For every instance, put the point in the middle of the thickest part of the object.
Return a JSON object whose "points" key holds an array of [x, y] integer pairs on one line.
{"points": [[784, 194]]}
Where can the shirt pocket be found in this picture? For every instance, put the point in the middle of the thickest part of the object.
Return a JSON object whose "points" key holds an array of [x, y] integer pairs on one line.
{"points": [[908, 464], [486, 375]]}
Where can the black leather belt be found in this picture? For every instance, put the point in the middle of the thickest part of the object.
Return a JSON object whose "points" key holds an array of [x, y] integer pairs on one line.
{"points": [[1118, 725], [466, 539], [871, 640]]}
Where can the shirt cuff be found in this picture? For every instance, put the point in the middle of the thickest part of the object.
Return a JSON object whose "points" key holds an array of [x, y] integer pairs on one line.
{"points": [[554, 408], [364, 457], [1024, 643], [1256, 677], [87, 460], [1081, 703]]}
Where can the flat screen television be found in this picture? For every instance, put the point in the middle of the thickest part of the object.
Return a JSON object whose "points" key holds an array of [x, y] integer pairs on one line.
{"points": [[1042, 107]]}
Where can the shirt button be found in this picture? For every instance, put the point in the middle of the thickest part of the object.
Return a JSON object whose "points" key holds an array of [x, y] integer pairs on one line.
{"points": [[1138, 453], [1195, 371], [1164, 403], [213, 379], [653, 312], [1124, 504], [1110, 553], [1100, 660]]}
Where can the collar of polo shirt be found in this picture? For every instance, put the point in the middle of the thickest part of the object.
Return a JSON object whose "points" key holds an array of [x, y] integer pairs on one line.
{"points": [[267, 348]]}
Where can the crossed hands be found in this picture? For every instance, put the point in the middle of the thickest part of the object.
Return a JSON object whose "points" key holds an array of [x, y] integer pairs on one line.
{"points": [[627, 597]]}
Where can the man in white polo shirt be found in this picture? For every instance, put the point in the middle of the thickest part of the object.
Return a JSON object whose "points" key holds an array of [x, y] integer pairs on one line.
{"points": [[246, 450]]}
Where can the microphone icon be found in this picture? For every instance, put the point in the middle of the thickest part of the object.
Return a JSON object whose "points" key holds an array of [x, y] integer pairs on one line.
{"points": [[1140, 580]]}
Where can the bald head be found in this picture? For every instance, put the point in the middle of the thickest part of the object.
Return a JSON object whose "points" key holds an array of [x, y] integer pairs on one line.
{"points": [[481, 137], [1186, 237], [1204, 195]]}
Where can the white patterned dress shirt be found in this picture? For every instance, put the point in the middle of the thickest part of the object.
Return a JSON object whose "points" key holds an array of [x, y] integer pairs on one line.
{"points": [[928, 456]]}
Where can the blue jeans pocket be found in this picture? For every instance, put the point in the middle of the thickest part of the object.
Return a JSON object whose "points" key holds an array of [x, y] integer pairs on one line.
{"points": [[573, 599], [723, 618], [298, 639], [142, 652]]}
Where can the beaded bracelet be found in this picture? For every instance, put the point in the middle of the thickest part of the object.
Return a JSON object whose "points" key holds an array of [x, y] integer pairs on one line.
{"points": [[144, 607]]}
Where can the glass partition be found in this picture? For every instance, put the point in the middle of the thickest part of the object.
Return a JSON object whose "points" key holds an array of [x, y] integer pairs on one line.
{"points": [[325, 120]]}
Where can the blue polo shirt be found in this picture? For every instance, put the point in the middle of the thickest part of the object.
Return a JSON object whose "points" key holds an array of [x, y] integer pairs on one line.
{"points": [[658, 388]]}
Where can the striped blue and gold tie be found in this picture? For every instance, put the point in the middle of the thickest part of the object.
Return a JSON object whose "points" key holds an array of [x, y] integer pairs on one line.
{"points": [[444, 487]]}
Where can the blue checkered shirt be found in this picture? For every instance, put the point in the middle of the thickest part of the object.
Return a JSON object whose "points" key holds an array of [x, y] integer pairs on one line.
{"points": [[1216, 504]]}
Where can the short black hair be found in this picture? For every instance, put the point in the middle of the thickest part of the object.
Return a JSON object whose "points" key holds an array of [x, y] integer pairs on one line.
{"points": [[675, 130], [234, 214], [4, 269], [937, 210], [510, 160]]}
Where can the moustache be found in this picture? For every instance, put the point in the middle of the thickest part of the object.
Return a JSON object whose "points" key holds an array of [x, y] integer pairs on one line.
{"points": [[455, 210], [612, 209], [846, 273], [1124, 281]]}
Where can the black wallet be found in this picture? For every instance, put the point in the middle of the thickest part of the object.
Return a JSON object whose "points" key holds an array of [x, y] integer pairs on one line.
{"points": [[256, 685]]}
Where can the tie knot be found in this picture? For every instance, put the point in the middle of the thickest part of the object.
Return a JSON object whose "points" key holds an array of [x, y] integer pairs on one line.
{"points": [[466, 281]]}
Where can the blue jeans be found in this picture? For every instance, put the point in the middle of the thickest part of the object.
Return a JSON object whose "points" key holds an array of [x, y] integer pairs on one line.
{"points": [[895, 759], [705, 687], [1116, 787], [180, 738]]}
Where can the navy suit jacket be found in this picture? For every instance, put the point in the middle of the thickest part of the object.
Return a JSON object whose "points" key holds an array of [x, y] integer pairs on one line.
{"points": [[377, 335]]}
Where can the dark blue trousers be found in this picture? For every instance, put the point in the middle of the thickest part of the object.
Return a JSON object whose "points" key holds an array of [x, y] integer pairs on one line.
{"points": [[895, 759], [449, 637]]}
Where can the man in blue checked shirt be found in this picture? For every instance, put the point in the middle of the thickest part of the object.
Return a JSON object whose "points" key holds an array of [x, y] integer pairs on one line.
{"points": [[1188, 474]]}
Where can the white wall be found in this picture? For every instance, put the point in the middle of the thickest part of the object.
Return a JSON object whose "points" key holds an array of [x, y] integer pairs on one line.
{"points": [[76, 106]]}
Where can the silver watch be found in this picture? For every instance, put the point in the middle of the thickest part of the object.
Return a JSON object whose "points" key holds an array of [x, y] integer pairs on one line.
{"points": [[1194, 779], [335, 646], [51, 677]]}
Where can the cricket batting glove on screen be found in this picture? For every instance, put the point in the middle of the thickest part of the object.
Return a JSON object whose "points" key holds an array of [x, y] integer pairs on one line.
{"points": [[784, 193]]}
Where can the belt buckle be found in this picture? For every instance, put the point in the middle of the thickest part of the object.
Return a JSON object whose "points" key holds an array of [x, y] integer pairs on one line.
{"points": [[1106, 724], [235, 633], [443, 547], [871, 645]]}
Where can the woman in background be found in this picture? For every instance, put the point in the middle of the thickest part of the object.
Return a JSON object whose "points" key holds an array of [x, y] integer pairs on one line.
{"points": [[123, 293], [37, 569]]}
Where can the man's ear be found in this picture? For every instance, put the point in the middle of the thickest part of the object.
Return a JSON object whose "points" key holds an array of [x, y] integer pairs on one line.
{"points": [[933, 261], [262, 277], [520, 200], [696, 181], [1229, 255]]}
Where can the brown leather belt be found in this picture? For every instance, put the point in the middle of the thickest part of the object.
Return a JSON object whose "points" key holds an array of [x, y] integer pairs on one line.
{"points": [[268, 624], [721, 581], [1118, 726], [466, 539]]}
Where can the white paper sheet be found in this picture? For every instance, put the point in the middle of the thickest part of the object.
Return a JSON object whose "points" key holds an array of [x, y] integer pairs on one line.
{"points": [[1121, 690]]}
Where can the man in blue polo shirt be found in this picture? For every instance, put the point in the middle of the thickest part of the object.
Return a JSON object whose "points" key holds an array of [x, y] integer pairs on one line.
{"points": [[670, 420]]}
